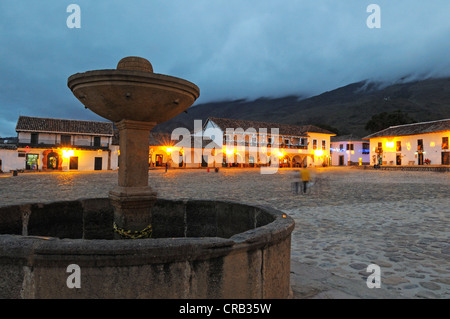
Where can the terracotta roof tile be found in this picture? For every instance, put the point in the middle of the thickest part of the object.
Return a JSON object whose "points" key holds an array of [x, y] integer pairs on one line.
{"points": [[284, 129], [413, 129], [50, 125]]}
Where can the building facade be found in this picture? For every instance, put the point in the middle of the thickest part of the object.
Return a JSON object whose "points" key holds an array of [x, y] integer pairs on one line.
{"points": [[47, 144], [244, 143], [412, 144], [349, 150]]}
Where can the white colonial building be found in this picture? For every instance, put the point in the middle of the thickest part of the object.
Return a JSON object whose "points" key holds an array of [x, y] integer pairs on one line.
{"points": [[412, 144], [60, 144], [252, 143], [45, 144], [349, 150]]}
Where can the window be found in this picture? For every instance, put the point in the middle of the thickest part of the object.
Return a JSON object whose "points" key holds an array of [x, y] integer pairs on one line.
{"points": [[445, 143], [66, 140], [97, 141], [366, 148], [34, 138], [380, 148], [399, 146], [286, 141], [269, 140], [420, 145], [350, 147], [324, 145], [314, 144], [341, 147]]}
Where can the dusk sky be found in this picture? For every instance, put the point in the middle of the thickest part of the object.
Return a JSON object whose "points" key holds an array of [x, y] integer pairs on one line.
{"points": [[231, 49]]}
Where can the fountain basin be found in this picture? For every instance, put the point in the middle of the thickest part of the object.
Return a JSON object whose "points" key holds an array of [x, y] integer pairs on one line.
{"points": [[118, 94], [199, 249]]}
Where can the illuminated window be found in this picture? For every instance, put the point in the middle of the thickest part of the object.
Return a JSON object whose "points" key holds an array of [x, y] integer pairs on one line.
{"points": [[365, 148], [445, 143], [399, 146], [314, 144], [420, 145]]}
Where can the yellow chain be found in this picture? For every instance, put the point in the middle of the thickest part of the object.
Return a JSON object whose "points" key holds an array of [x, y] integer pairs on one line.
{"points": [[128, 234]]}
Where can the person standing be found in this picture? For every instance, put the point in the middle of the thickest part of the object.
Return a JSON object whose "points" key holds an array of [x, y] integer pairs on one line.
{"points": [[305, 176]]}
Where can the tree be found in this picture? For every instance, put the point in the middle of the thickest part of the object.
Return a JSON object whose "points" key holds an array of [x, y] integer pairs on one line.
{"points": [[384, 120]]}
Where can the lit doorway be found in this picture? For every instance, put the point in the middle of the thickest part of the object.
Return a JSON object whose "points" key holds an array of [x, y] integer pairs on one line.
{"points": [[420, 159], [159, 160], [398, 159], [32, 161], [445, 158], [73, 163], [52, 161]]}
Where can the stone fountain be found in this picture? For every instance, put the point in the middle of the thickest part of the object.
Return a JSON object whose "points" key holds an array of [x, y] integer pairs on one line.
{"points": [[135, 99], [197, 249]]}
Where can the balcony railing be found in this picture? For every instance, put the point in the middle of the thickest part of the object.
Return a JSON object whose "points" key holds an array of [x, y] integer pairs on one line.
{"points": [[52, 143], [256, 144]]}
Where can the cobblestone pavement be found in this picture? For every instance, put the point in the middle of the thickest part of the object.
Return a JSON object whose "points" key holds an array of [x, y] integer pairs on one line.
{"points": [[352, 218]]}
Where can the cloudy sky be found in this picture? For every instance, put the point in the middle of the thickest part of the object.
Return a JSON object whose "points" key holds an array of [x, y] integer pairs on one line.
{"points": [[231, 49]]}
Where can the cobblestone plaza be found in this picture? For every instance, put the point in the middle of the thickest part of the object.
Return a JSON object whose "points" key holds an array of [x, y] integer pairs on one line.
{"points": [[352, 218]]}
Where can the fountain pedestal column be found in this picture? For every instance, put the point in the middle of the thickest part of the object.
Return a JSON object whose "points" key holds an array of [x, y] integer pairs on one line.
{"points": [[133, 199], [136, 99]]}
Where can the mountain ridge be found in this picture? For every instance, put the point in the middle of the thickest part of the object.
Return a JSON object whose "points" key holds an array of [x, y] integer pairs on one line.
{"points": [[347, 108]]}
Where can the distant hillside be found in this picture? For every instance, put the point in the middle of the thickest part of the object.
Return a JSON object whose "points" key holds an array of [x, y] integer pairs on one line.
{"points": [[348, 108]]}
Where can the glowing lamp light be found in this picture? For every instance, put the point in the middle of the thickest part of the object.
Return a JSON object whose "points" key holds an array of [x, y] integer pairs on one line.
{"points": [[280, 154], [68, 153], [169, 150], [390, 144], [318, 153]]}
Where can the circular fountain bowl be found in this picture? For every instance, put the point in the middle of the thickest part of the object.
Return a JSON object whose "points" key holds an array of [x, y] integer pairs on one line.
{"points": [[199, 249], [133, 92]]}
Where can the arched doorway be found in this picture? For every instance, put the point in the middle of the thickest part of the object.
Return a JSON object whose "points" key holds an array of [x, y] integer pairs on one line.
{"points": [[299, 160], [52, 160]]}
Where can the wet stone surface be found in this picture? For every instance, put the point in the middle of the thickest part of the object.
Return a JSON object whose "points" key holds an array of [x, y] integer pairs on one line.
{"points": [[352, 218]]}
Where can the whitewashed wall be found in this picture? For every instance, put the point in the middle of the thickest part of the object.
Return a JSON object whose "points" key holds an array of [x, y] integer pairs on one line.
{"points": [[432, 148]]}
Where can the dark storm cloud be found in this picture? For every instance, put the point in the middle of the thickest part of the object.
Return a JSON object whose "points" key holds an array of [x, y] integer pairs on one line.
{"points": [[230, 49]]}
